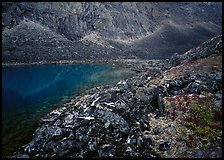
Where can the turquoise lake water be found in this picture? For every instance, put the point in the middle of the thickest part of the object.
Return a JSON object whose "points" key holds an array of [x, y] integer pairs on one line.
{"points": [[29, 92]]}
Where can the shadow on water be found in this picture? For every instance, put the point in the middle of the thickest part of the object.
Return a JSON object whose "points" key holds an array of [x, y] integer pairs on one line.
{"points": [[30, 92]]}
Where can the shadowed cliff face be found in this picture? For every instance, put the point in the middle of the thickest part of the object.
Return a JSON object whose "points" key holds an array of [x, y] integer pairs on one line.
{"points": [[126, 28]]}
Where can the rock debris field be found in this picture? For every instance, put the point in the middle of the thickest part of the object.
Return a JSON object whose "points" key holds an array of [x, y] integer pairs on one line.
{"points": [[170, 108]]}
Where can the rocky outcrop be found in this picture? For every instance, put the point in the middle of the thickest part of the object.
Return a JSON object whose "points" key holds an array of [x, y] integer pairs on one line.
{"points": [[140, 29], [116, 20], [214, 46], [149, 115]]}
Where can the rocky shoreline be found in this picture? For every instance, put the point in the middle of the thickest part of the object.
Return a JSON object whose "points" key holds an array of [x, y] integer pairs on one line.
{"points": [[84, 62], [153, 114], [57, 62]]}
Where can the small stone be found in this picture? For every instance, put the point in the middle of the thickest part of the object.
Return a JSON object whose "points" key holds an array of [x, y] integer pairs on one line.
{"points": [[129, 149], [213, 155], [164, 146], [146, 134], [139, 141], [128, 140], [92, 146], [107, 124], [21, 156], [156, 131], [199, 154], [202, 96]]}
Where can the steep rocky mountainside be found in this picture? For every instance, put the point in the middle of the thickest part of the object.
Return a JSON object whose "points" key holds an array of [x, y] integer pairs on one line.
{"points": [[167, 110], [35, 31]]}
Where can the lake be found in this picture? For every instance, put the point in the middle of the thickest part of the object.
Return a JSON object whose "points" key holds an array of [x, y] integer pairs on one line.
{"points": [[31, 91]]}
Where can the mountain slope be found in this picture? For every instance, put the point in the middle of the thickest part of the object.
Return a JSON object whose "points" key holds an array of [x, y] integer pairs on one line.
{"points": [[32, 42], [136, 28], [172, 38]]}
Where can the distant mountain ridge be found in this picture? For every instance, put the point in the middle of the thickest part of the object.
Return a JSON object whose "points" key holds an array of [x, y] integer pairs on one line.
{"points": [[113, 29]]}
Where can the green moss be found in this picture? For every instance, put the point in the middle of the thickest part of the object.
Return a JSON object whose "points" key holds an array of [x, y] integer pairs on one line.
{"points": [[190, 124], [206, 131], [208, 96], [201, 119], [203, 113]]}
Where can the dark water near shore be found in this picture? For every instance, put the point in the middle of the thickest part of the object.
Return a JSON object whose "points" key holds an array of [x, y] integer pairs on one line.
{"points": [[29, 92]]}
